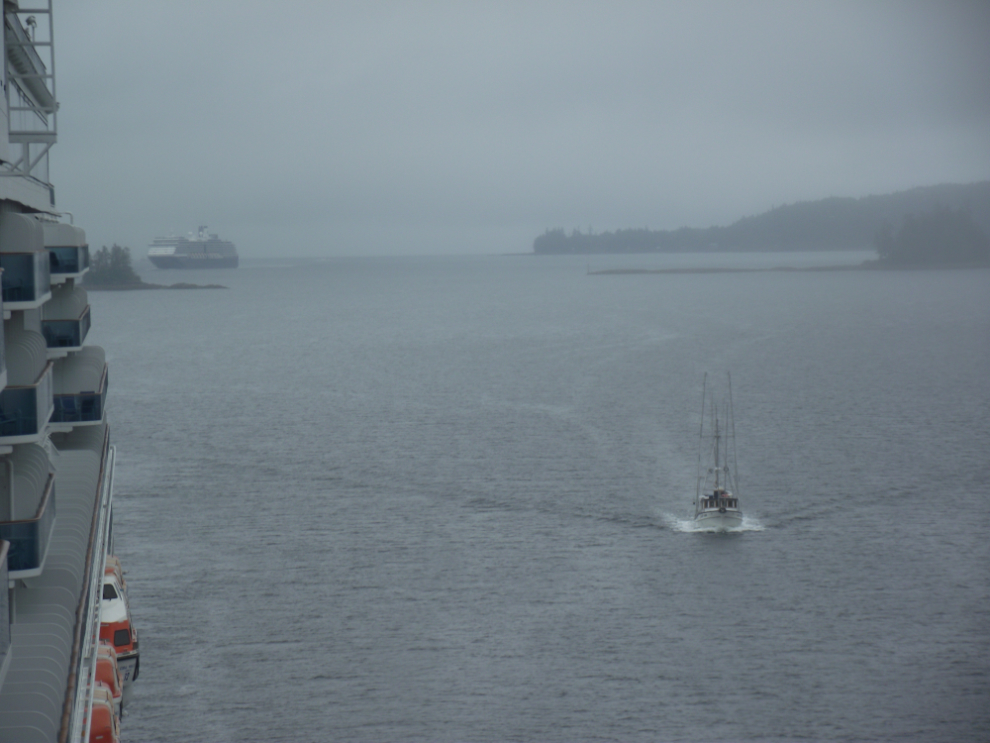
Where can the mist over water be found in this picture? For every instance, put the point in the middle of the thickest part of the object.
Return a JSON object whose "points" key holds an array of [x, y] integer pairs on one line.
{"points": [[450, 499]]}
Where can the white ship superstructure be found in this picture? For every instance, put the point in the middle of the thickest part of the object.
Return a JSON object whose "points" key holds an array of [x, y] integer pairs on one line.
{"points": [[56, 461]]}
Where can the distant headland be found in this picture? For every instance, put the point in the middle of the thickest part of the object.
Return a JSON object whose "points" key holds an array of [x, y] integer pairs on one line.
{"points": [[827, 224], [941, 238]]}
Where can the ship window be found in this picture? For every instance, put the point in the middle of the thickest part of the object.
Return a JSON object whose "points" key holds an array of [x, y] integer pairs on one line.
{"points": [[109, 592], [121, 637]]}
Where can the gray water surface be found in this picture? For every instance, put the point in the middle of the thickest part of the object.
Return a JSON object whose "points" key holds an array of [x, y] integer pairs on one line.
{"points": [[447, 499]]}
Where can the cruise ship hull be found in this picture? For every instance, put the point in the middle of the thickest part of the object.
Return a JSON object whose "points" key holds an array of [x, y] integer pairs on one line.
{"points": [[202, 250], [193, 261]]}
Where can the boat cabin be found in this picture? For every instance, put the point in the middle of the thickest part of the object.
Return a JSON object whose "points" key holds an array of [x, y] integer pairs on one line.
{"points": [[720, 498]]}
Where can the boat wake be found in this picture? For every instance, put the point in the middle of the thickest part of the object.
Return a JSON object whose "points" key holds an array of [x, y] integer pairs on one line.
{"points": [[684, 525]]}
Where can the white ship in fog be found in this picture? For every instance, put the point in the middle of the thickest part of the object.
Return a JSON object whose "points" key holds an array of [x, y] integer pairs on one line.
{"points": [[716, 506], [68, 652], [202, 250]]}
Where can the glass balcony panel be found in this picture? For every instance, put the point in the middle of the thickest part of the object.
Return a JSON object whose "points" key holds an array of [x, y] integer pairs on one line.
{"points": [[18, 281], [61, 333], [84, 324], [42, 273], [24, 411], [18, 411], [29, 538], [66, 333], [26, 276], [64, 260], [84, 407], [4, 604]]}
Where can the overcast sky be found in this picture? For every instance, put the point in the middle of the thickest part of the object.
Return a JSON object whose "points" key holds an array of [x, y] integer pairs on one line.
{"points": [[342, 128]]}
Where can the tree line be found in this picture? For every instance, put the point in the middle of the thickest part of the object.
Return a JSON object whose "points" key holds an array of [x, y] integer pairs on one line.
{"points": [[941, 237], [827, 224]]}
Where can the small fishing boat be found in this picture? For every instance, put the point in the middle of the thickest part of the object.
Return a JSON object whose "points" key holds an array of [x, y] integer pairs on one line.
{"points": [[716, 505]]}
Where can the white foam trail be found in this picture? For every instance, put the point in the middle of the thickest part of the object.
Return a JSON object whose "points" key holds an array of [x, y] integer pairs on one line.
{"points": [[684, 525], [677, 524]]}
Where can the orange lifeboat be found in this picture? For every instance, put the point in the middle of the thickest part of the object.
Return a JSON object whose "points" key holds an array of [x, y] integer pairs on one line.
{"points": [[116, 627], [113, 567], [108, 672], [104, 727]]}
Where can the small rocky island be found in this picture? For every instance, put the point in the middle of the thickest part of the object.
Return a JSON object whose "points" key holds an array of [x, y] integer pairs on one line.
{"points": [[110, 269]]}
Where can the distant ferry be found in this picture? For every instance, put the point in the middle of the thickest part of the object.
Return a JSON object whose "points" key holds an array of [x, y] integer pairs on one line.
{"points": [[202, 250]]}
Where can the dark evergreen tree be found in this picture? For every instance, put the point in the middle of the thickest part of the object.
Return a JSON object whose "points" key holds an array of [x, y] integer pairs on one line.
{"points": [[111, 267]]}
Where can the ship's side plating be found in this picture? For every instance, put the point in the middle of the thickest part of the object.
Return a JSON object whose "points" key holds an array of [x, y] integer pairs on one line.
{"points": [[56, 461]]}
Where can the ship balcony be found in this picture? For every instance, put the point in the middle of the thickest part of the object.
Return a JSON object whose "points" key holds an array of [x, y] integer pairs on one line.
{"points": [[4, 612], [25, 410], [29, 537], [80, 391], [62, 336], [26, 280], [68, 262], [68, 251], [83, 409]]}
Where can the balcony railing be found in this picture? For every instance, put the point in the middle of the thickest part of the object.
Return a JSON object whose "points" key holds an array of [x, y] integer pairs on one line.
{"points": [[29, 537], [68, 260], [66, 333], [82, 407], [4, 608], [26, 278], [25, 410]]}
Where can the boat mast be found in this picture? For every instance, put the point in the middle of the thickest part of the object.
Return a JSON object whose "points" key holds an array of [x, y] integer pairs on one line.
{"points": [[732, 428], [701, 441], [718, 466]]}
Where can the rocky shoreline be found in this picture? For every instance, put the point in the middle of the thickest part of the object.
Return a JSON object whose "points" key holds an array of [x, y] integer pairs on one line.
{"points": [[866, 266], [143, 285]]}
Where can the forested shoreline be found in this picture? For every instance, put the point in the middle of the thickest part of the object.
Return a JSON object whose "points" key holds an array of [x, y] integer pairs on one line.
{"points": [[828, 224]]}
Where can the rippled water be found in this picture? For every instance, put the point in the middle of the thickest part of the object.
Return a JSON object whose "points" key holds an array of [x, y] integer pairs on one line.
{"points": [[448, 499]]}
